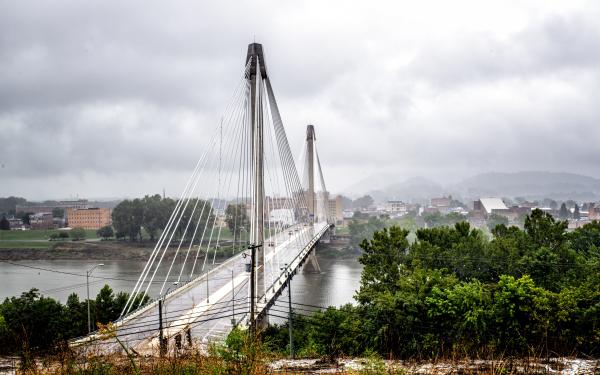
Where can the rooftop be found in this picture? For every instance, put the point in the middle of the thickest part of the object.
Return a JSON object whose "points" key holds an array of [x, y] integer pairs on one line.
{"points": [[490, 204]]}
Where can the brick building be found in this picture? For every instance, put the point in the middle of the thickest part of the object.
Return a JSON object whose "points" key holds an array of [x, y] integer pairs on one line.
{"points": [[89, 218], [336, 209]]}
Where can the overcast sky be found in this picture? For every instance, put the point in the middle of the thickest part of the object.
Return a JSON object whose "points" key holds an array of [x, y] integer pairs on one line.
{"points": [[111, 98]]}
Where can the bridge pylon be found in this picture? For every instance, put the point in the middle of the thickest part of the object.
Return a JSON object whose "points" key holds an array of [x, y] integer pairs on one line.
{"points": [[257, 73], [247, 176], [312, 264]]}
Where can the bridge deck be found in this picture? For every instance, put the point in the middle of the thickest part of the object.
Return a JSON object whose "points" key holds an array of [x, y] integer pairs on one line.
{"points": [[227, 289]]}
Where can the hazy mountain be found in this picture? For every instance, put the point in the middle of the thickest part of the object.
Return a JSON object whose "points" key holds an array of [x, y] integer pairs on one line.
{"points": [[371, 183], [530, 185], [411, 190]]}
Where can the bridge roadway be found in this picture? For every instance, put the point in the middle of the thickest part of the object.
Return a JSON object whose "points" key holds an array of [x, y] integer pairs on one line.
{"points": [[210, 319]]}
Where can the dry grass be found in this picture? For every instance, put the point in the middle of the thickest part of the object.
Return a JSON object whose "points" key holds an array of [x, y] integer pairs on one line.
{"points": [[218, 362]]}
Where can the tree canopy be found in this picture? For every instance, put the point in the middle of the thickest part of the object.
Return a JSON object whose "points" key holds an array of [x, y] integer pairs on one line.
{"points": [[454, 292]]}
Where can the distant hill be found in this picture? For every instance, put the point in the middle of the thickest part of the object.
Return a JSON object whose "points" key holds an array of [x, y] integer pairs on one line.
{"points": [[412, 189], [528, 184], [531, 185]]}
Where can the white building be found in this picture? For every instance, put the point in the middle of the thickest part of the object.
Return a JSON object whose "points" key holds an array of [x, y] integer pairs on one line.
{"points": [[396, 207], [487, 205]]}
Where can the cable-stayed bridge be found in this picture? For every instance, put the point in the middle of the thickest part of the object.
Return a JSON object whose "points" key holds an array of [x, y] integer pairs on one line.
{"points": [[245, 202]]}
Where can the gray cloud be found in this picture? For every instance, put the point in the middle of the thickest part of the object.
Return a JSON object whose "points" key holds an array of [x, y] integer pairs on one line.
{"points": [[100, 91]]}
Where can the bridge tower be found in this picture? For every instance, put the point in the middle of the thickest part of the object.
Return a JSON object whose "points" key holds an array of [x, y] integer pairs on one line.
{"points": [[312, 265], [257, 73], [310, 138]]}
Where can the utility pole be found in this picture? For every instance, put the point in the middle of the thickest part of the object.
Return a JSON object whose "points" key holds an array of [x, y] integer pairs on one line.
{"points": [[162, 345], [87, 283], [290, 318], [289, 286], [253, 288], [161, 340], [232, 299]]}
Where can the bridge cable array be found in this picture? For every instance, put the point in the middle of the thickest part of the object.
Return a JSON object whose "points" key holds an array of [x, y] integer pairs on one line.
{"points": [[212, 217]]}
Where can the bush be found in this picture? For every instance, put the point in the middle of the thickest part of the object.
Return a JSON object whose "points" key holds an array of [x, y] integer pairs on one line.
{"points": [[105, 232], [78, 234]]}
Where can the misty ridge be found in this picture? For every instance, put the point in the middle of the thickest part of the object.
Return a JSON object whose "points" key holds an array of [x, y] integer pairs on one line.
{"points": [[531, 185]]}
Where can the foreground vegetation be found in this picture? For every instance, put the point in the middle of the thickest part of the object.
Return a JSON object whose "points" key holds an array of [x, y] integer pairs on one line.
{"points": [[33, 324], [450, 293], [528, 292]]}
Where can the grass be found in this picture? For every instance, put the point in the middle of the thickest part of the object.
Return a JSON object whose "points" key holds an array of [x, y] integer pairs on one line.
{"points": [[36, 234], [25, 244], [342, 230]]}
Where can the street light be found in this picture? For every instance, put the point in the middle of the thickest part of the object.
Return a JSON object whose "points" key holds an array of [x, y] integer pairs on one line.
{"points": [[87, 281]]}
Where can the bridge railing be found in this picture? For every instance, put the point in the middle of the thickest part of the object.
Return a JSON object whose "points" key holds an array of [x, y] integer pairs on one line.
{"points": [[275, 287], [95, 335]]}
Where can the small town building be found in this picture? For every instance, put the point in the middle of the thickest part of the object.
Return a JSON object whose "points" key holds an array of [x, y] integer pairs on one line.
{"points": [[336, 211], [15, 223], [396, 207], [42, 220], [89, 218], [488, 205], [593, 211]]}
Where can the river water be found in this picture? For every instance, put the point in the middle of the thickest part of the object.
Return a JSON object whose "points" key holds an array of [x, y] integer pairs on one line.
{"points": [[335, 285]]}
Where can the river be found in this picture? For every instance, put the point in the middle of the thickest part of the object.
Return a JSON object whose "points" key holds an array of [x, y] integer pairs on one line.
{"points": [[335, 285]]}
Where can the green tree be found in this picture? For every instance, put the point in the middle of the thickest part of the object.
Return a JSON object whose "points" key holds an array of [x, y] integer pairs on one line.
{"points": [[521, 313], [58, 212], [77, 315], [25, 217], [128, 217], [78, 234], [576, 213], [237, 219], [34, 322], [382, 257], [436, 219], [586, 239], [563, 213], [195, 213], [104, 306], [156, 213], [494, 219], [105, 232], [543, 230], [8, 206], [4, 224], [462, 313], [360, 230]]}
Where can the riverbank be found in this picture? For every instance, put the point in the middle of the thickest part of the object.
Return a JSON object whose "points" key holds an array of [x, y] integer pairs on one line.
{"points": [[121, 250], [89, 250]]}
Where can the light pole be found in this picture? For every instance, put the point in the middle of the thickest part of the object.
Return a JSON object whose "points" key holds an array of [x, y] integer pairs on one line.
{"points": [[87, 282]]}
